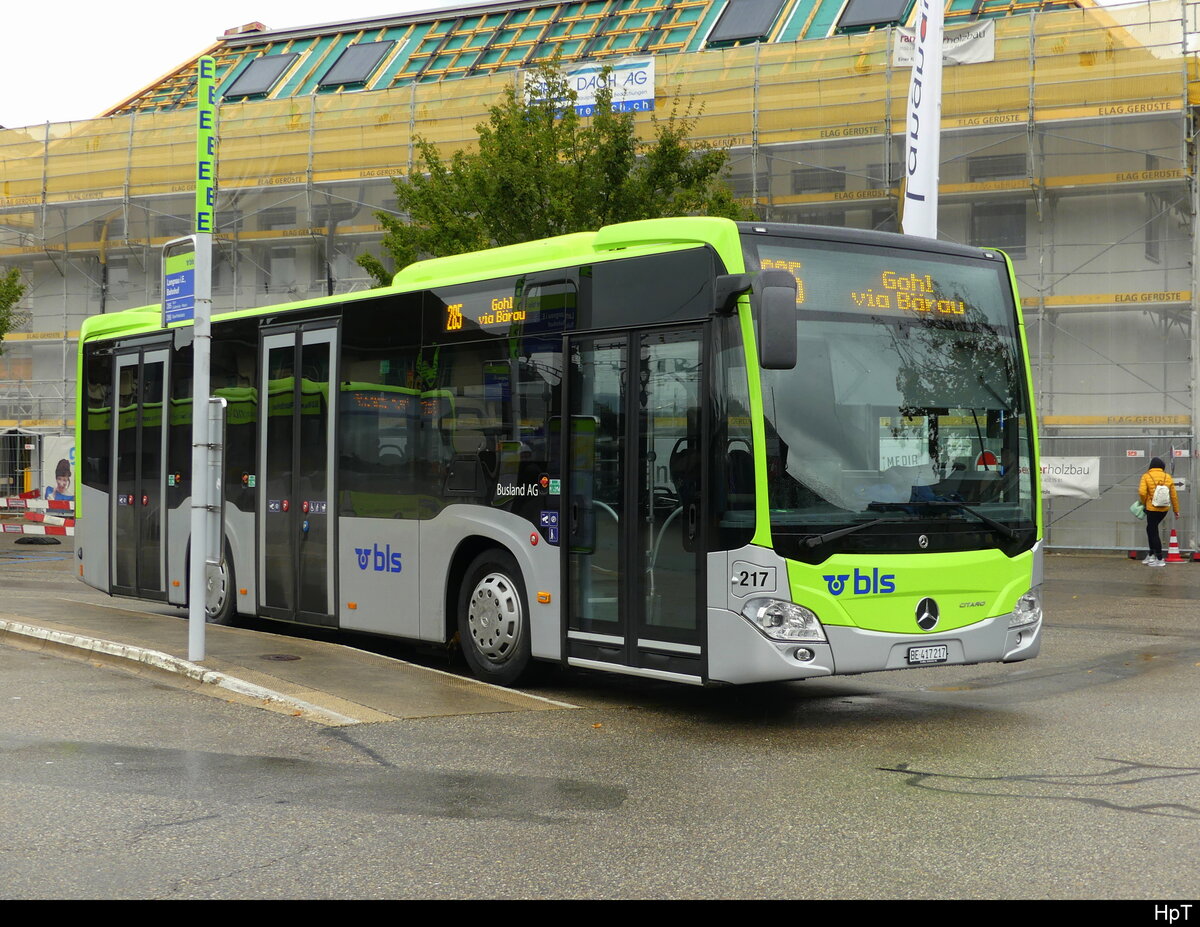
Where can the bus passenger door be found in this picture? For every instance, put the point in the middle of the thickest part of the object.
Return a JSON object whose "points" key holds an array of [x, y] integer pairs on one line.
{"points": [[138, 543], [295, 466], [634, 503]]}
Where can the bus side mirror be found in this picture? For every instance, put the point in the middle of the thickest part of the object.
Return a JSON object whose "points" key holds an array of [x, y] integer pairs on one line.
{"points": [[775, 298], [726, 291]]}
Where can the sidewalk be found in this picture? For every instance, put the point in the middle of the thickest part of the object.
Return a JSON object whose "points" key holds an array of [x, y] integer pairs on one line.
{"points": [[43, 606]]}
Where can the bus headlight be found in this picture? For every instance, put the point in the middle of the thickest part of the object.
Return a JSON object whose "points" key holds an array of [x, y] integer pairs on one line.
{"points": [[784, 621], [1028, 609]]}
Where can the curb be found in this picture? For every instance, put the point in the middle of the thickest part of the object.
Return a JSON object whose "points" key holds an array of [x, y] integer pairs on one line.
{"points": [[164, 661]]}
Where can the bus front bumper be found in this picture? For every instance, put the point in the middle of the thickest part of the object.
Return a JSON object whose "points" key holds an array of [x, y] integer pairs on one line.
{"points": [[739, 653], [988, 641]]}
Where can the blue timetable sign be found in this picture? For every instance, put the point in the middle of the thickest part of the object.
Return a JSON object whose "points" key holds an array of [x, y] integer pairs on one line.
{"points": [[179, 281]]}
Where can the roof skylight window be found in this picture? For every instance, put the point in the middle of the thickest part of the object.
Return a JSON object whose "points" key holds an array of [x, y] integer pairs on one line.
{"points": [[862, 14], [260, 76], [355, 63], [744, 20]]}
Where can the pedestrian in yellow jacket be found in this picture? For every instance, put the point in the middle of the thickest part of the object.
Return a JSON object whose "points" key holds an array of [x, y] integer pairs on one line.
{"points": [[1154, 477]]}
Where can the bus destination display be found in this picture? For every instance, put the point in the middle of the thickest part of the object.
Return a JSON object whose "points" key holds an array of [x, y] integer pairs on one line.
{"points": [[485, 313], [501, 308], [836, 282]]}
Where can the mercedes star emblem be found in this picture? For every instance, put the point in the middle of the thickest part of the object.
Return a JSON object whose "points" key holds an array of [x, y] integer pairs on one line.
{"points": [[927, 614]]}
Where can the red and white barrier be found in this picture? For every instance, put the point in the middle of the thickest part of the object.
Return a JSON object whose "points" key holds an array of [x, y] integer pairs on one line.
{"points": [[44, 519], [40, 516], [19, 502], [22, 527]]}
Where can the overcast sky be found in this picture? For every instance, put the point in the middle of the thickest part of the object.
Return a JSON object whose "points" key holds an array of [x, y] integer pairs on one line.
{"points": [[67, 61]]}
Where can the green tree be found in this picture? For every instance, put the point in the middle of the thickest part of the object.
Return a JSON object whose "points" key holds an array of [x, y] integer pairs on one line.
{"points": [[540, 169], [11, 291]]}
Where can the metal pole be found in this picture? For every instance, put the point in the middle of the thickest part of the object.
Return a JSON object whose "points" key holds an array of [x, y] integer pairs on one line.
{"points": [[754, 132], [1193, 540], [202, 440], [1191, 509]]}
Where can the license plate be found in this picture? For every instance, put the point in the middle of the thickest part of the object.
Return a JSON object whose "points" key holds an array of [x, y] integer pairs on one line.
{"points": [[938, 653]]}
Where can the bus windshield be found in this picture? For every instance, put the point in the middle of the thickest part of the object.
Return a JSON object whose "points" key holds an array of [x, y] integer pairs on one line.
{"points": [[907, 413]]}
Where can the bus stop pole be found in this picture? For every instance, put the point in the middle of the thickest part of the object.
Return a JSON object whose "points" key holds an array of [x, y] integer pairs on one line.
{"points": [[202, 440]]}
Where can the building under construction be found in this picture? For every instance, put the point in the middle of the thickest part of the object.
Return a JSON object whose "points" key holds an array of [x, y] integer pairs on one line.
{"points": [[1068, 133]]}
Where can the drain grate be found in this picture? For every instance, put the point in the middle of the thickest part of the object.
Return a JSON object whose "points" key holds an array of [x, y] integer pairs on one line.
{"points": [[279, 657]]}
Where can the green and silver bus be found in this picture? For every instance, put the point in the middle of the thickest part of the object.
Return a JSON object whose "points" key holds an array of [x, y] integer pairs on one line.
{"points": [[682, 449]]}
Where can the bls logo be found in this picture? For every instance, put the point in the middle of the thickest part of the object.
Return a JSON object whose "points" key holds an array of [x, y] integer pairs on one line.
{"points": [[864, 583], [384, 561]]}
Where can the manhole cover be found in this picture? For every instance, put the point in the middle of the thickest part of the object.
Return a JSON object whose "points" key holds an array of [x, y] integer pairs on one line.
{"points": [[279, 657]]}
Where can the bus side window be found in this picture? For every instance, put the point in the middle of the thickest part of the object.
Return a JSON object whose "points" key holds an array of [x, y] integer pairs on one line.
{"points": [[732, 489], [383, 472], [97, 435]]}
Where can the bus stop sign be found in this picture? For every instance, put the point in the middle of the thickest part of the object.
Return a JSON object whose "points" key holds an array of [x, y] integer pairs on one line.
{"points": [[179, 280]]}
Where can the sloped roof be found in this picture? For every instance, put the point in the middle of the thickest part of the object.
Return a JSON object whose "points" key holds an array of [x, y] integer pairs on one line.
{"points": [[387, 51]]}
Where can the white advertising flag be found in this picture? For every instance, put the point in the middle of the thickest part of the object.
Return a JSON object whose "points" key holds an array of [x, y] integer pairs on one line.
{"points": [[922, 149]]}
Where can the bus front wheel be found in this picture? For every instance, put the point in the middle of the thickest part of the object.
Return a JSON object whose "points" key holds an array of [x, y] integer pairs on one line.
{"points": [[493, 619], [219, 608]]}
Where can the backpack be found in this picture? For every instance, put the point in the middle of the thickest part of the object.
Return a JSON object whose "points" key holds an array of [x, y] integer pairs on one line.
{"points": [[1162, 496]]}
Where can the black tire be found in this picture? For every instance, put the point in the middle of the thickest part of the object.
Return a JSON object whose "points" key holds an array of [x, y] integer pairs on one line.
{"points": [[493, 619], [225, 611]]}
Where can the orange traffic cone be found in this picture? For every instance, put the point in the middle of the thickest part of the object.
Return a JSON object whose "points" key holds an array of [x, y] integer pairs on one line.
{"points": [[1173, 549]]}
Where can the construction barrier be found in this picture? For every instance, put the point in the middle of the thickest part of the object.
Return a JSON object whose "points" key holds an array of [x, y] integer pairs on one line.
{"points": [[31, 528], [20, 502], [40, 516]]}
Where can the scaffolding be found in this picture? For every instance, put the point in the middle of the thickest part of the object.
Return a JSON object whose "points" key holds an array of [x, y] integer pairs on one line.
{"points": [[1072, 148]]}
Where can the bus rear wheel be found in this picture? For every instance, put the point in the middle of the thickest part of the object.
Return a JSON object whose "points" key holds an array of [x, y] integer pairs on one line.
{"points": [[493, 619]]}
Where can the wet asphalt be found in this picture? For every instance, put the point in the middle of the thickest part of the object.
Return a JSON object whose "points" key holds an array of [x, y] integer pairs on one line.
{"points": [[377, 770], [333, 678]]}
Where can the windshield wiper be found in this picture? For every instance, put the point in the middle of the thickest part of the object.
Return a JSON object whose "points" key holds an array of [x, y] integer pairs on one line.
{"points": [[913, 507], [841, 532], [1010, 533]]}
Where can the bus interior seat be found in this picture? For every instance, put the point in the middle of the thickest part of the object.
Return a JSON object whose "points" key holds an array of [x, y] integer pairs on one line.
{"points": [[390, 457], [740, 476]]}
